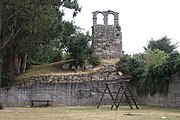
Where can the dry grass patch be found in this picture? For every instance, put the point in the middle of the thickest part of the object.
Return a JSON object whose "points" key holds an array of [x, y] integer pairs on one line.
{"points": [[55, 69], [88, 113], [38, 70], [110, 61]]}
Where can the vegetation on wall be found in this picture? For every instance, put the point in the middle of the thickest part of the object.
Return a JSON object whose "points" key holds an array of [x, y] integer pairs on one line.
{"points": [[118, 27], [94, 59], [123, 65], [151, 70]]}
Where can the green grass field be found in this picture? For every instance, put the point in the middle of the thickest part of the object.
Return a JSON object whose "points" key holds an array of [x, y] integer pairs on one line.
{"points": [[89, 113]]}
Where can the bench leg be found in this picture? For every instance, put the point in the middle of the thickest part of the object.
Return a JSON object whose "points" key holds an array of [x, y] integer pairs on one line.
{"points": [[47, 103], [32, 104]]}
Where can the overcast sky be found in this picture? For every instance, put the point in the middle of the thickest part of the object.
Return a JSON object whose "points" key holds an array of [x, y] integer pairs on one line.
{"points": [[140, 20]]}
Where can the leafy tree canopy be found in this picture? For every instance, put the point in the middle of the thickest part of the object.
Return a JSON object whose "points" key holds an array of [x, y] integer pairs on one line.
{"points": [[163, 44], [78, 48], [27, 24]]}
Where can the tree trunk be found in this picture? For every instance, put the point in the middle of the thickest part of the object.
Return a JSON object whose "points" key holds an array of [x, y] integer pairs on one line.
{"points": [[24, 65], [1, 66], [11, 66], [1, 20], [16, 65], [19, 65], [1, 39]]}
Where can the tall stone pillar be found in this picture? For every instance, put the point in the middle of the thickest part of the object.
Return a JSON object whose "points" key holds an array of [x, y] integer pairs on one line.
{"points": [[106, 39], [116, 20], [106, 19], [94, 19]]}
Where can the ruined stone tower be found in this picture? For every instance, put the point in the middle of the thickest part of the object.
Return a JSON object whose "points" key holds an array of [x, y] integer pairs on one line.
{"points": [[107, 39]]}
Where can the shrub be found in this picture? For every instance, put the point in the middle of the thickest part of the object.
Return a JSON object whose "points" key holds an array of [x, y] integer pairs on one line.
{"points": [[158, 68], [55, 56], [94, 59], [150, 71], [148, 74], [122, 64]]}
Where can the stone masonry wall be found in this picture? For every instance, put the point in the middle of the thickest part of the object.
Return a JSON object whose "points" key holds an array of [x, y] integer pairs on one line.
{"points": [[67, 93], [107, 41], [68, 89], [104, 72], [172, 99]]}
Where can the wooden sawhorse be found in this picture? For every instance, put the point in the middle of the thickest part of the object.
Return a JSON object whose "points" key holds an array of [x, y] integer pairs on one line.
{"points": [[123, 90]]}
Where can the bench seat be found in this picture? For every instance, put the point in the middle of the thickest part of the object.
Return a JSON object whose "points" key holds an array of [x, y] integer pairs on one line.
{"points": [[33, 101]]}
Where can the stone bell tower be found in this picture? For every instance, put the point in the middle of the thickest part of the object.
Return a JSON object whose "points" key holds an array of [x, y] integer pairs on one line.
{"points": [[106, 39]]}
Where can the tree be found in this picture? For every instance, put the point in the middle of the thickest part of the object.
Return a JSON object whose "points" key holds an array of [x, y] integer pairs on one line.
{"points": [[2, 45], [163, 44], [20, 23], [78, 48]]}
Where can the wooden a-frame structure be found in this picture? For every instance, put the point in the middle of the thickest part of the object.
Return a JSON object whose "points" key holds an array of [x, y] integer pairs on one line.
{"points": [[123, 91]]}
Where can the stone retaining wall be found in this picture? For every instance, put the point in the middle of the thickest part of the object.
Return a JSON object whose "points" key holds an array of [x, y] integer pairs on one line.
{"points": [[81, 89], [104, 72], [68, 89], [79, 93]]}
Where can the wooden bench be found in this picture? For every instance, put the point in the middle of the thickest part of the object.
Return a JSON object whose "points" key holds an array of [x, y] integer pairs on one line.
{"points": [[33, 101]]}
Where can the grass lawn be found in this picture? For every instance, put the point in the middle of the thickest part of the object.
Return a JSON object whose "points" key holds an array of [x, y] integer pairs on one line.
{"points": [[89, 113]]}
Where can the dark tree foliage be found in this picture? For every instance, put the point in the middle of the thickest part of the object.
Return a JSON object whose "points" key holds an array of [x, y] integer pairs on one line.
{"points": [[27, 24], [163, 44], [78, 48]]}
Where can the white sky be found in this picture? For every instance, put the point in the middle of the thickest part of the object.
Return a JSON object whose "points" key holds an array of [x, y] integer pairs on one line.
{"points": [[140, 20]]}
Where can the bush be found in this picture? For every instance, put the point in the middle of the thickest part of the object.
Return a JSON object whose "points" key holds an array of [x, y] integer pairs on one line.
{"points": [[152, 70], [55, 56], [94, 60], [122, 64], [45, 55]]}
